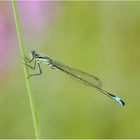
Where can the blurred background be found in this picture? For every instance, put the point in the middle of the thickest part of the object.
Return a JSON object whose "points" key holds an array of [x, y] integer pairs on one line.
{"points": [[101, 38]]}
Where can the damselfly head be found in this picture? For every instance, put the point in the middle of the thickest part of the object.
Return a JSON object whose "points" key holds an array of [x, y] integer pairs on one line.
{"points": [[34, 53]]}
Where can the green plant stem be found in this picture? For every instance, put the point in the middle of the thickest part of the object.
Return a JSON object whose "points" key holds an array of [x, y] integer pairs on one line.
{"points": [[26, 73]]}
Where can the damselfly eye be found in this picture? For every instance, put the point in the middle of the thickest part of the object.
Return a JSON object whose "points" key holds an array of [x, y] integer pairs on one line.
{"points": [[33, 53]]}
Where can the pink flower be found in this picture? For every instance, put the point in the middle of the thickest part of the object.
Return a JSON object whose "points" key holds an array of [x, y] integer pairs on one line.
{"points": [[35, 14], [5, 38]]}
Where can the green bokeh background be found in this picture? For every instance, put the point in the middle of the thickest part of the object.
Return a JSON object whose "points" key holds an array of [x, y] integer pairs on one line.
{"points": [[101, 38]]}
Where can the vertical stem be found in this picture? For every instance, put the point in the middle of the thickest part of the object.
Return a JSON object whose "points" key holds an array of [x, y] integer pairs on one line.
{"points": [[26, 73]]}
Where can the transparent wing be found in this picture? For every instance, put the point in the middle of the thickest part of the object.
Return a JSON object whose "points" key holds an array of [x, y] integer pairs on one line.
{"points": [[85, 78], [78, 75]]}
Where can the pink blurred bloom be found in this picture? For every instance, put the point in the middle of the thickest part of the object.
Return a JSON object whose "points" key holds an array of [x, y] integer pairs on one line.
{"points": [[35, 14], [4, 42]]}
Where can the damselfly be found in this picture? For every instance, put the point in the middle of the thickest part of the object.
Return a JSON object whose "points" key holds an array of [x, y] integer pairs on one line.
{"points": [[78, 75]]}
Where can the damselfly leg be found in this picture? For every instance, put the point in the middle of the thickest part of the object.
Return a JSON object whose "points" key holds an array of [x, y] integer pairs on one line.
{"points": [[27, 60], [33, 67], [40, 71]]}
